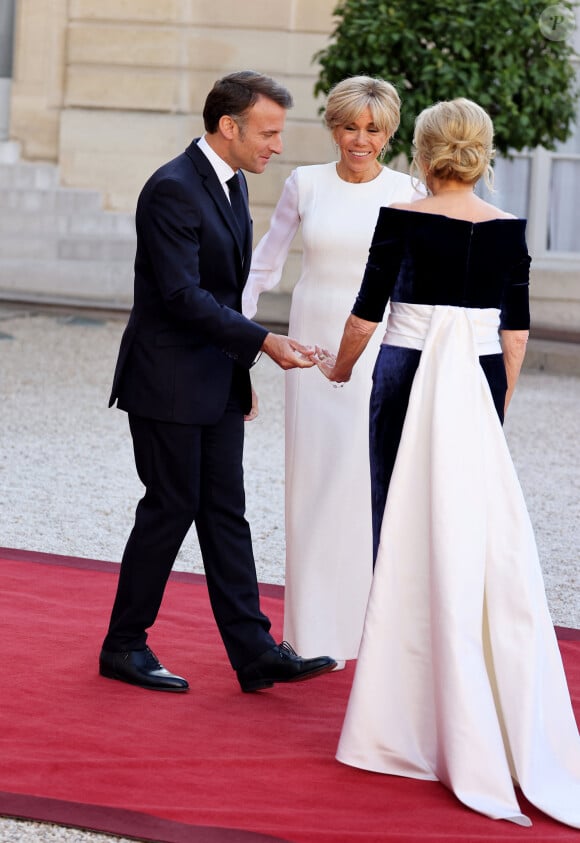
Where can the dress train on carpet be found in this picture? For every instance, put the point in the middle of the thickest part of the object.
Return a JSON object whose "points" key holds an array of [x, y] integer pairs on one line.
{"points": [[459, 677]]}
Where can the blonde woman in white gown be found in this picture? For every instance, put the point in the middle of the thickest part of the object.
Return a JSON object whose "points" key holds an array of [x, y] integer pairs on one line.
{"points": [[459, 677], [328, 504]]}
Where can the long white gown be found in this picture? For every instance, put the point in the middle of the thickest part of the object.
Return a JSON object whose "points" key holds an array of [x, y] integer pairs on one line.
{"points": [[459, 677], [328, 508]]}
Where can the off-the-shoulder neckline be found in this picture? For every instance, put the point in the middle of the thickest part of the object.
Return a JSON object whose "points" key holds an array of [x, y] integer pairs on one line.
{"points": [[453, 219]]}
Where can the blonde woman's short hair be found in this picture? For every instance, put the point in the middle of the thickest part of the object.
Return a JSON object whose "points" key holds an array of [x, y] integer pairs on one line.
{"points": [[454, 140], [349, 98]]}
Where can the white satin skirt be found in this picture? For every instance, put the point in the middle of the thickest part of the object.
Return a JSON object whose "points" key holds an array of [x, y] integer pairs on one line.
{"points": [[459, 677]]}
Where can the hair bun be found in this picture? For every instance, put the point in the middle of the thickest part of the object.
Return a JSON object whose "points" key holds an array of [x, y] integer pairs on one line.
{"points": [[454, 140], [459, 143]]}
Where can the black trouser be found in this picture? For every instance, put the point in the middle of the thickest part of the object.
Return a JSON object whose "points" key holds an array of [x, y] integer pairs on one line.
{"points": [[191, 473]]}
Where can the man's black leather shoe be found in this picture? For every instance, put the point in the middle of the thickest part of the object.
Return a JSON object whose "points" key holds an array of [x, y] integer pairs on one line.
{"points": [[281, 664], [140, 667]]}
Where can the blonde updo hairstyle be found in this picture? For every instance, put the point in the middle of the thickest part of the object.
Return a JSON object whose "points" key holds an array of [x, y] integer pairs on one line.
{"points": [[454, 141], [349, 98]]}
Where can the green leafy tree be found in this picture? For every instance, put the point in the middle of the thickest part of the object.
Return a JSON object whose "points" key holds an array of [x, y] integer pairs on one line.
{"points": [[495, 52]]}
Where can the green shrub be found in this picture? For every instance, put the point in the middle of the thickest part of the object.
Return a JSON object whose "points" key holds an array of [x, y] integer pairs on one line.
{"points": [[492, 51]]}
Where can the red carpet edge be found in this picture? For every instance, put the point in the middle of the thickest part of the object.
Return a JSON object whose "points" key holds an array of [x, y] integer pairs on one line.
{"points": [[119, 822]]}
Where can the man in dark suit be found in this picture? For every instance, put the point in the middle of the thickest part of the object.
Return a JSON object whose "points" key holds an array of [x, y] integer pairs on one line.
{"points": [[183, 378]]}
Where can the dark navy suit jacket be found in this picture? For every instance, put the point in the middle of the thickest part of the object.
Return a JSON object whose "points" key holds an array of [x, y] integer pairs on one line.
{"points": [[186, 338]]}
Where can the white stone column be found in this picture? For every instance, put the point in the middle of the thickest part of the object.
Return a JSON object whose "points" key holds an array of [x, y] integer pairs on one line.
{"points": [[38, 76]]}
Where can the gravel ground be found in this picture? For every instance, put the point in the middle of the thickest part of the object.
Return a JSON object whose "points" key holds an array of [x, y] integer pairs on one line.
{"points": [[69, 485], [67, 473]]}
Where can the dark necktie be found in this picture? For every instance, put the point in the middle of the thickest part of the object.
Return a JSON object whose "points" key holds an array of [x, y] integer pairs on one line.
{"points": [[239, 206]]}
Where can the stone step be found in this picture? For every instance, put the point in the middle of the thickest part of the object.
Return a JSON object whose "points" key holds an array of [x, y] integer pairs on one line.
{"points": [[53, 223], [9, 152], [65, 200], [67, 280], [57, 243], [62, 247], [25, 174], [561, 358]]}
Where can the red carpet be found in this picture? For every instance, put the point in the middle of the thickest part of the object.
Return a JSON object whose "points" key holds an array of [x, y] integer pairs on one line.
{"points": [[210, 766]]}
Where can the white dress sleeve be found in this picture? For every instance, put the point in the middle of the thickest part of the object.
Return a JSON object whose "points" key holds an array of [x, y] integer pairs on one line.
{"points": [[272, 250]]}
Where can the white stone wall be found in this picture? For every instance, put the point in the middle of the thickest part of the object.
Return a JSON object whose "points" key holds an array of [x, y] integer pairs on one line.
{"points": [[110, 89]]}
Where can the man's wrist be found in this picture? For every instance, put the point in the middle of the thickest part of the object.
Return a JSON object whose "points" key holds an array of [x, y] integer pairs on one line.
{"points": [[267, 342]]}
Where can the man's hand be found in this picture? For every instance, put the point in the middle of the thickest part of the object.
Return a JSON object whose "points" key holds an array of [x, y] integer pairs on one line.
{"points": [[288, 353], [253, 414]]}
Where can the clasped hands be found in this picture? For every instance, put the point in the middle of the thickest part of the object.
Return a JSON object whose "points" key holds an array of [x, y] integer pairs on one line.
{"points": [[326, 362], [290, 354]]}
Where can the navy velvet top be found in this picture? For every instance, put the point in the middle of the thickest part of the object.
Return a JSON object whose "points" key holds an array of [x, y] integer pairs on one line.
{"points": [[422, 258]]}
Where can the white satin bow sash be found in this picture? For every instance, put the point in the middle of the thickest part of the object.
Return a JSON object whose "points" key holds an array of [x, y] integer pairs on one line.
{"points": [[408, 325]]}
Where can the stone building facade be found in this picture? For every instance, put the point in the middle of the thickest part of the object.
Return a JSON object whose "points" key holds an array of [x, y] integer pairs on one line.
{"points": [[107, 90]]}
